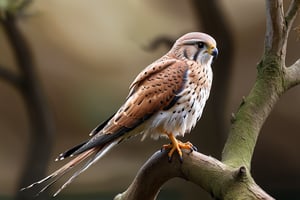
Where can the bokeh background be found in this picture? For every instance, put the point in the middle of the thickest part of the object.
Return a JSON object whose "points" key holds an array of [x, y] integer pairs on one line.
{"points": [[88, 52]]}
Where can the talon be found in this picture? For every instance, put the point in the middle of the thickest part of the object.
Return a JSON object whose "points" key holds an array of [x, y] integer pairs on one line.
{"points": [[177, 145], [181, 159], [194, 148]]}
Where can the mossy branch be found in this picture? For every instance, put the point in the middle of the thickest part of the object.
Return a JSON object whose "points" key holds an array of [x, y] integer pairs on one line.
{"points": [[270, 84]]}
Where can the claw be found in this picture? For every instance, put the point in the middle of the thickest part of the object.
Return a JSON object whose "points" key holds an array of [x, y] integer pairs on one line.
{"points": [[194, 148], [177, 145], [181, 159], [169, 159]]}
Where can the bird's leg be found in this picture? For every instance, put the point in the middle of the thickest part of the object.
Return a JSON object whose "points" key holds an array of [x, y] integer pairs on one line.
{"points": [[177, 145]]}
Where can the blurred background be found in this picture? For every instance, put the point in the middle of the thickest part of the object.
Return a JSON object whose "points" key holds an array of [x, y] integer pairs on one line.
{"points": [[87, 53]]}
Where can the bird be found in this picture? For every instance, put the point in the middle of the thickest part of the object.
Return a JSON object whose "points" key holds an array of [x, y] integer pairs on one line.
{"points": [[166, 99]]}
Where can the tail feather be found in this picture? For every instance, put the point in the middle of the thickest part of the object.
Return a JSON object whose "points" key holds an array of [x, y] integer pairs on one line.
{"points": [[63, 170], [69, 152], [93, 160], [52, 182]]}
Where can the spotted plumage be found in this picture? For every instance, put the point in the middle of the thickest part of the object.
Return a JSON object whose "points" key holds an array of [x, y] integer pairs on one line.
{"points": [[165, 100]]}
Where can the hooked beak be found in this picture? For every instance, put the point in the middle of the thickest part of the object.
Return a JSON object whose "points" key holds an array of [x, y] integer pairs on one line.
{"points": [[213, 51]]}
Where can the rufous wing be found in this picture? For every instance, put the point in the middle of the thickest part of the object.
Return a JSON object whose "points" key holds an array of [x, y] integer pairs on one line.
{"points": [[154, 89]]}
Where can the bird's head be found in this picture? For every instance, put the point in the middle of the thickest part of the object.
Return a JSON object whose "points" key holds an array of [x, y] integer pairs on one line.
{"points": [[196, 46]]}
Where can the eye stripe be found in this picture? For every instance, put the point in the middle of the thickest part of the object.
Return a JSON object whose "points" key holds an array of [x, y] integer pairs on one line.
{"points": [[185, 54], [196, 55]]}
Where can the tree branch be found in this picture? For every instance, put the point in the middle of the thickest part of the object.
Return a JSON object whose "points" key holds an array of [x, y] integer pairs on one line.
{"points": [[278, 26], [292, 13], [275, 23], [198, 168], [292, 75], [269, 86]]}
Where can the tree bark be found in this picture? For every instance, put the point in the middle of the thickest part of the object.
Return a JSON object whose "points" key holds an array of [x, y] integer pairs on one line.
{"points": [[220, 180]]}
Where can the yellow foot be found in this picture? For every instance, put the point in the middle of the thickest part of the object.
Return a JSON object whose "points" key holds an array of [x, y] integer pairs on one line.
{"points": [[177, 145]]}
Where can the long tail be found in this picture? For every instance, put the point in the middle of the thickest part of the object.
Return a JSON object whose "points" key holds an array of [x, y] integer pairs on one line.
{"points": [[95, 154]]}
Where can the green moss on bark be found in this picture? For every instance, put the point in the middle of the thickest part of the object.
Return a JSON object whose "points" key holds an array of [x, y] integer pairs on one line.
{"points": [[253, 112]]}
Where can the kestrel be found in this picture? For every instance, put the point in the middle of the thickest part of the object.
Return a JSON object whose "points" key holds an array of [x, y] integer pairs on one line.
{"points": [[165, 100]]}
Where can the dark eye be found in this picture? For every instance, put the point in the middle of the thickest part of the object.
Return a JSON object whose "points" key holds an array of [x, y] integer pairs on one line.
{"points": [[201, 45]]}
